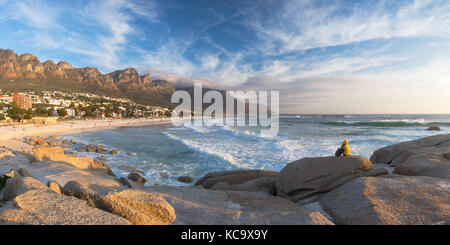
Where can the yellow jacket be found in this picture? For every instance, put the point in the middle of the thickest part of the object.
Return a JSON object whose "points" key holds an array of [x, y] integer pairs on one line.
{"points": [[346, 148]]}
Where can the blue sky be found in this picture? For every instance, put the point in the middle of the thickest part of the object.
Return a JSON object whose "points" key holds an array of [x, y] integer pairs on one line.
{"points": [[323, 56]]}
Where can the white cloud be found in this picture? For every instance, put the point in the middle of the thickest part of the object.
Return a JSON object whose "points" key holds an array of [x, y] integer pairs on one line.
{"points": [[210, 61], [35, 14], [169, 57], [114, 16], [111, 20], [422, 89], [304, 25]]}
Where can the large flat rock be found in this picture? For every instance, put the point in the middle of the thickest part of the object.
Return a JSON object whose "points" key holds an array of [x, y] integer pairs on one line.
{"points": [[398, 153], [53, 209], [232, 177], [56, 154], [62, 173], [11, 215], [139, 207], [35, 203], [389, 201], [198, 206], [423, 157], [18, 184], [308, 176], [265, 185]]}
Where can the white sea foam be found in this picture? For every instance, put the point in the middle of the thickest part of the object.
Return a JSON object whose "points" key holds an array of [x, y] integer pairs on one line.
{"points": [[210, 149], [409, 121], [198, 129]]}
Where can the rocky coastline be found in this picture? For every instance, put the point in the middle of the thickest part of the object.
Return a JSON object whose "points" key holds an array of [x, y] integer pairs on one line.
{"points": [[407, 183]]}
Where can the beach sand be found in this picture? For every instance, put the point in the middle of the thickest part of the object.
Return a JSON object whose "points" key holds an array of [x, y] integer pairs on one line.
{"points": [[76, 126]]}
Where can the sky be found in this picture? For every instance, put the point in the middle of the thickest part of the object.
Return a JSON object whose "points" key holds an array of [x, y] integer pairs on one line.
{"points": [[346, 57]]}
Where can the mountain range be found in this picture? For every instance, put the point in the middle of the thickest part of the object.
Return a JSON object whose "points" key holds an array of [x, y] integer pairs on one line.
{"points": [[26, 73]]}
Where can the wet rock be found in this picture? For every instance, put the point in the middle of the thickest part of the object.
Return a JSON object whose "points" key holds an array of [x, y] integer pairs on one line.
{"points": [[81, 149], [102, 159], [113, 152], [130, 184], [434, 128], [163, 175], [131, 169], [91, 148], [137, 178], [185, 179], [126, 182]]}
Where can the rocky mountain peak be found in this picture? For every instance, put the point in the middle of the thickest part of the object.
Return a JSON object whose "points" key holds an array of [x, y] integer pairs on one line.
{"points": [[64, 65], [28, 58], [27, 72]]}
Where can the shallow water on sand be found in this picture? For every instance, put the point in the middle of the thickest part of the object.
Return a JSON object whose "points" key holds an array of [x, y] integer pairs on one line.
{"points": [[165, 152]]}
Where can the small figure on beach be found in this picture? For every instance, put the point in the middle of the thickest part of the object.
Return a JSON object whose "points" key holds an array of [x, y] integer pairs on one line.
{"points": [[344, 149]]}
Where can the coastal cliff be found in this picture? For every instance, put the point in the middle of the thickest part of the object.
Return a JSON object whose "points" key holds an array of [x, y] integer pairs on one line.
{"points": [[313, 191]]}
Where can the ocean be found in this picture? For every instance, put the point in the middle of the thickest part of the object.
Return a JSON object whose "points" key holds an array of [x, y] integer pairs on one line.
{"points": [[165, 152]]}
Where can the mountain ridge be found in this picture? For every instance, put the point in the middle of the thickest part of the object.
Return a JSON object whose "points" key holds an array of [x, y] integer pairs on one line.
{"points": [[25, 72]]}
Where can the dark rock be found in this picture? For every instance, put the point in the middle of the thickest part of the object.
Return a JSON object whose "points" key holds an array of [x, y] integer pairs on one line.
{"points": [[434, 128], [137, 178], [185, 179]]}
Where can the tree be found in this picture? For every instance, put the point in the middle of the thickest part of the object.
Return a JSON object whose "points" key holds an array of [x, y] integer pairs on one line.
{"points": [[62, 112], [28, 114], [41, 112], [50, 112], [15, 117], [16, 113]]}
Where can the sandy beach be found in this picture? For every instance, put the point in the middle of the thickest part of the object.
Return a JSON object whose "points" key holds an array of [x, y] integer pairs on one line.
{"points": [[75, 126]]}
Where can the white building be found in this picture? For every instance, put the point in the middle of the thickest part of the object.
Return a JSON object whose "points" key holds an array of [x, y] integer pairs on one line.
{"points": [[70, 112]]}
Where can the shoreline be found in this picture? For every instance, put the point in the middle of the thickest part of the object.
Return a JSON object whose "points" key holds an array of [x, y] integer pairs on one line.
{"points": [[75, 126]]}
